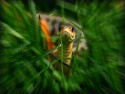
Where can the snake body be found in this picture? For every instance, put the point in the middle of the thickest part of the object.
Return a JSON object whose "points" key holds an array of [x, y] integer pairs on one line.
{"points": [[65, 39]]}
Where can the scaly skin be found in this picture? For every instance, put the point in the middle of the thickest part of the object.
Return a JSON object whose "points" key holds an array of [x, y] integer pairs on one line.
{"points": [[66, 38]]}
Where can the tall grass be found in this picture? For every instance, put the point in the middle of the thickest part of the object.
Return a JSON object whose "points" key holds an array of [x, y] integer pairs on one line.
{"points": [[25, 66]]}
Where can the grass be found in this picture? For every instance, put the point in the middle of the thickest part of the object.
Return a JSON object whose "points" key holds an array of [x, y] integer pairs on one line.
{"points": [[24, 62]]}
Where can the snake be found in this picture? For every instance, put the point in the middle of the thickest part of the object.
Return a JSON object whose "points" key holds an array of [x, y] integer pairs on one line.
{"points": [[66, 37]]}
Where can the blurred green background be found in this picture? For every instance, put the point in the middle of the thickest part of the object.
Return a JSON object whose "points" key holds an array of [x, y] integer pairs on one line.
{"points": [[24, 59]]}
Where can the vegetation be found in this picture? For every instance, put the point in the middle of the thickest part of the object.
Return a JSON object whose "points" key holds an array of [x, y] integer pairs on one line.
{"points": [[24, 59]]}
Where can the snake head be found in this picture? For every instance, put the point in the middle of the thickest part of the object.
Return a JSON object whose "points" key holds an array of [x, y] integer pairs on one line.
{"points": [[67, 34]]}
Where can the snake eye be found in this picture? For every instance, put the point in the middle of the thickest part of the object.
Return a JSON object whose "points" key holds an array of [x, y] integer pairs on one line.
{"points": [[72, 29], [60, 27]]}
